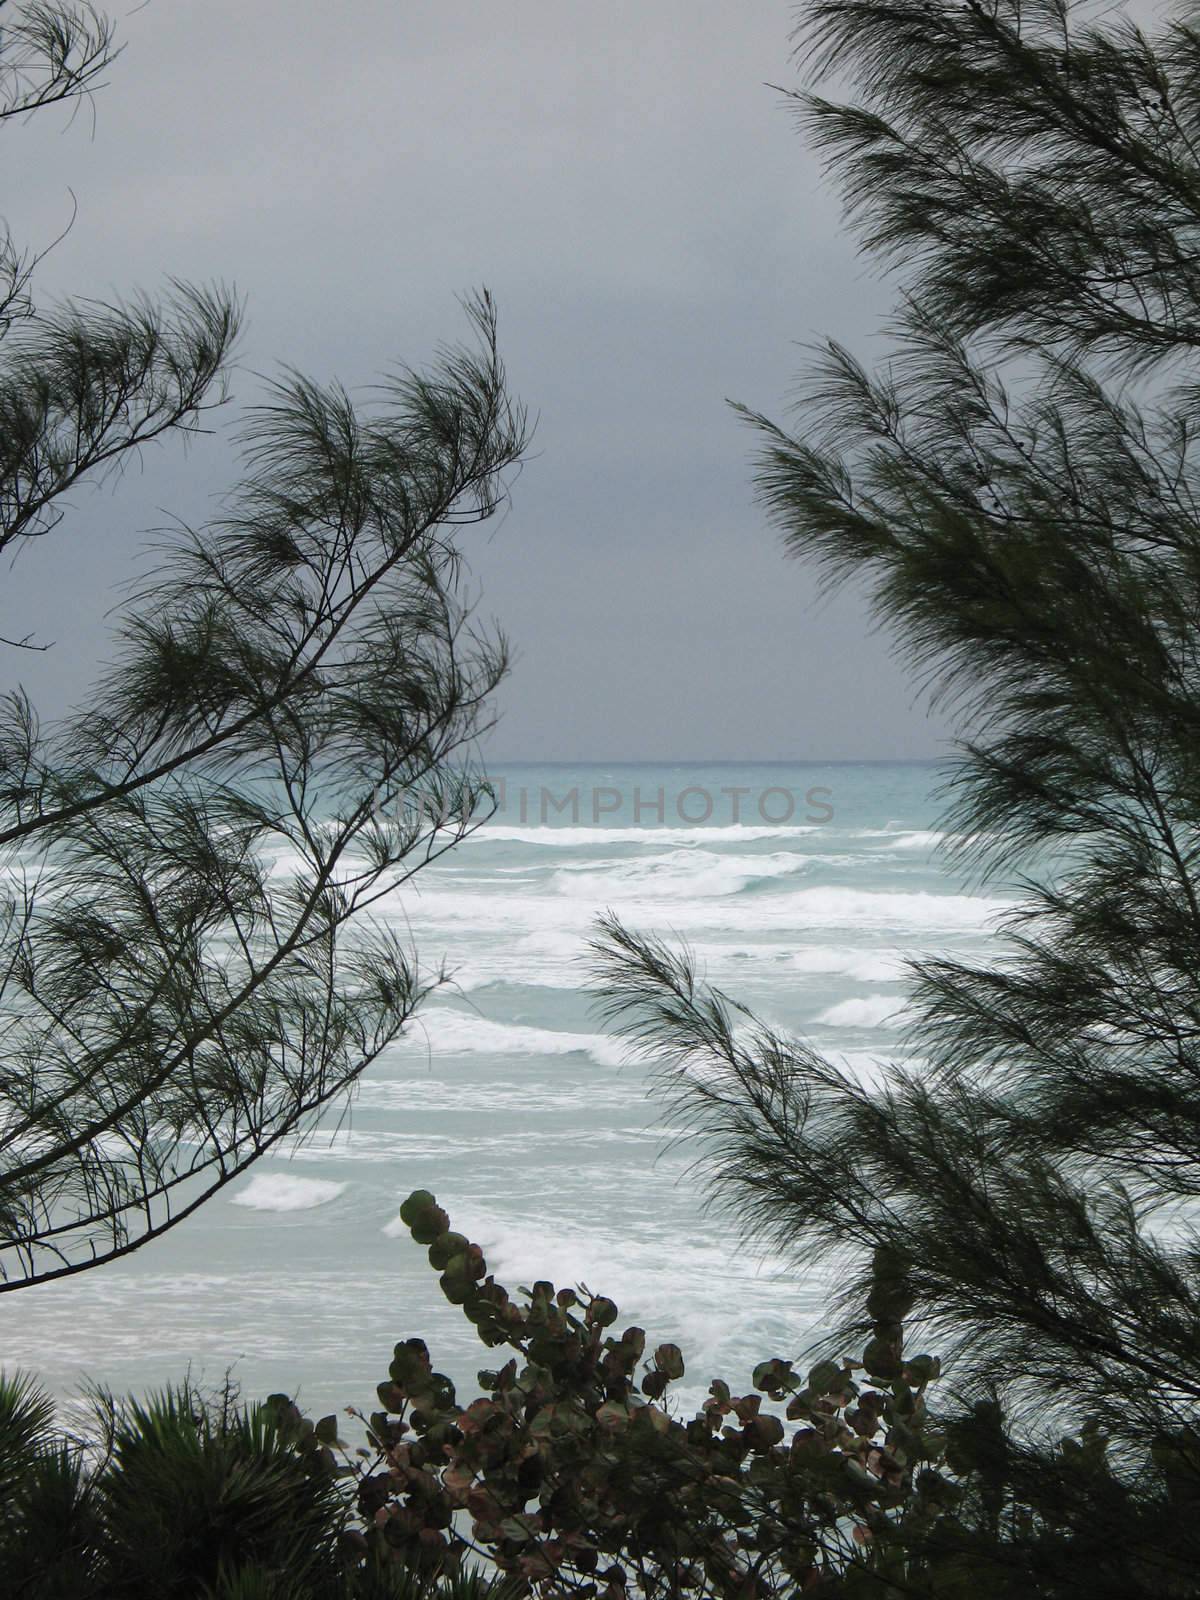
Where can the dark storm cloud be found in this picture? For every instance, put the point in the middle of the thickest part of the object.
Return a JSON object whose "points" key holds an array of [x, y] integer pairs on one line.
{"points": [[657, 239]]}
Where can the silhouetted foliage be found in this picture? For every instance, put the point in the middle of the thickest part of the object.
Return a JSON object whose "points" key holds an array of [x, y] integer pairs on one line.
{"points": [[187, 970], [185, 1495], [576, 1474], [1018, 486], [83, 383]]}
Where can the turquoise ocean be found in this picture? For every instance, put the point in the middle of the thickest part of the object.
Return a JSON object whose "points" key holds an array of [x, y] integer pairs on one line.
{"points": [[800, 889]]}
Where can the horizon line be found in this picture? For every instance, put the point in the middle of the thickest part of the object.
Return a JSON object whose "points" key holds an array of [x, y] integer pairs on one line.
{"points": [[725, 761]]}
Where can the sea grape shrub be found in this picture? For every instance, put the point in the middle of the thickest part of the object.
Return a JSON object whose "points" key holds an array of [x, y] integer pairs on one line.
{"points": [[572, 1474]]}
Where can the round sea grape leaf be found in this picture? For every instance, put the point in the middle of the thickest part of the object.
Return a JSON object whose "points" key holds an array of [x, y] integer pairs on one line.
{"points": [[430, 1226], [921, 1369], [444, 1247], [826, 1378], [764, 1432], [880, 1359], [516, 1529], [457, 1482], [419, 1206], [409, 1365], [441, 1435], [326, 1430], [887, 1262], [544, 1351], [890, 1301], [572, 1419], [541, 1424], [423, 1217], [613, 1414], [772, 1376], [442, 1389], [418, 1202], [668, 1360], [432, 1544], [602, 1311], [633, 1341], [480, 1312]]}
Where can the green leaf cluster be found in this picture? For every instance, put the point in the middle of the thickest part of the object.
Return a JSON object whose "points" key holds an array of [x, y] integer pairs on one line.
{"points": [[574, 1473]]}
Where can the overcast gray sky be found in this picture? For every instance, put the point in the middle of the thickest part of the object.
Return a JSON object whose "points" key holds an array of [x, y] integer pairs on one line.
{"points": [[657, 238]]}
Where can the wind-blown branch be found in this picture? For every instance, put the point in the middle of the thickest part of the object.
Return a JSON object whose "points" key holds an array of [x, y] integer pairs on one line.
{"points": [[174, 1005]]}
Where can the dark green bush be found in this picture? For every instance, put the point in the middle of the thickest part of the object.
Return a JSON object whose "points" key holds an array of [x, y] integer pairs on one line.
{"points": [[573, 1473], [181, 1498]]}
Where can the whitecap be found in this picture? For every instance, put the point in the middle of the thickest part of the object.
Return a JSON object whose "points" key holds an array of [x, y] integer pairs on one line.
{"points": [[423, 1092], [870, 1011], [574, 838], [679, 874], [444, 1031], [801, 909], [283, 1191], [869, 966]]}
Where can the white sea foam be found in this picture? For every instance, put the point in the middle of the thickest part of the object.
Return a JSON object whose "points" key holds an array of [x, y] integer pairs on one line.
{"points": [[850, 908], [586, 1094], [870, 966], [795, 919], [282, 1191], [448, 1032], [504, 973], [869, 1011], [678, 875], [366, 1148], [459, 911], [571, 838], [556, 958]]}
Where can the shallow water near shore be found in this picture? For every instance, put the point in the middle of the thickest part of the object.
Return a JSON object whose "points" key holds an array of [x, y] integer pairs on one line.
{"points": [[507, 1099]]}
